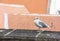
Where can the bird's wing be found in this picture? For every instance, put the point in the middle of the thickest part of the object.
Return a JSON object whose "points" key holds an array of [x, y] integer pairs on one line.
{"points": [[43, 24]]}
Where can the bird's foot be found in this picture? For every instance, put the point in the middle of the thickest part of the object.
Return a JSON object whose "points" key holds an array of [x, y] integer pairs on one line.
{"points": [[41, 31]]}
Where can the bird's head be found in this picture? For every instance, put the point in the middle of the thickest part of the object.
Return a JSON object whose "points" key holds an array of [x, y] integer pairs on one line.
{"points": [[36, 18]]}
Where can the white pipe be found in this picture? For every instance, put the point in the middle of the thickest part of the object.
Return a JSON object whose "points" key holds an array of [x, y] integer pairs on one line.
{"points": [[6, 21]]}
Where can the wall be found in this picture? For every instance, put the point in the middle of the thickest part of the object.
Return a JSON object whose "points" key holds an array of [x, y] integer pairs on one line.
{"points": [[1, 19], [27, 22], [34, 6]]}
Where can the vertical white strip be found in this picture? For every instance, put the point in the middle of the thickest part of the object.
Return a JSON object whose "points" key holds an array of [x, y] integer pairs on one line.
{"points": [[48, 6], [6, 21], [53, 9]]}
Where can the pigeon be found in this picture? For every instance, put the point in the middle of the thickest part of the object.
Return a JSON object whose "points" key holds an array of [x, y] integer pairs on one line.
{"points": [[40, 23]]}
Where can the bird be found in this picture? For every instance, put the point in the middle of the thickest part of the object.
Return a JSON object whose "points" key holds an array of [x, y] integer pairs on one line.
{"points": [[40, 23]]}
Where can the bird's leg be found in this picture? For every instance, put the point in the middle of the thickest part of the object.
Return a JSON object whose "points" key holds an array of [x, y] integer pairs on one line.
{"points": [[40, 31]]}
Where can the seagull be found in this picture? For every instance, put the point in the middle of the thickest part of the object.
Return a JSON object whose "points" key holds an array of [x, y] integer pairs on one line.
{"points": [[40, 23]]}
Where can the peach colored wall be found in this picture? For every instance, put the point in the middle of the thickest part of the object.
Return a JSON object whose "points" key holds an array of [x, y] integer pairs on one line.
{"points": [[34, 6], [1, 20], [27, 22]]}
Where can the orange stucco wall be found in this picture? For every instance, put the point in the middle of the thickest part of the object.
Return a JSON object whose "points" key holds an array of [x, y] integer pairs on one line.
{"points": [[34, 6], [1, 20], [18, 21], [27, 22]]}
